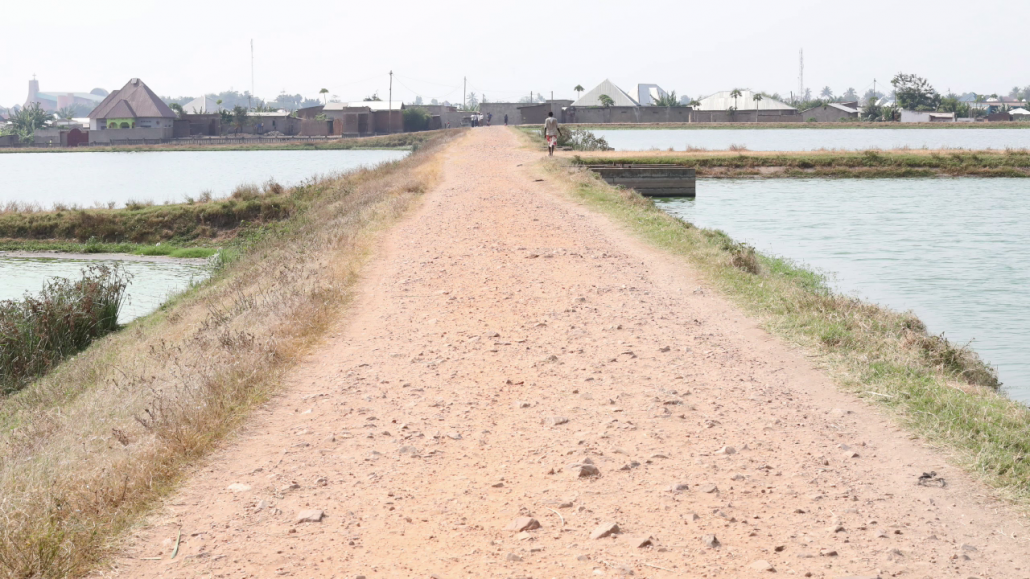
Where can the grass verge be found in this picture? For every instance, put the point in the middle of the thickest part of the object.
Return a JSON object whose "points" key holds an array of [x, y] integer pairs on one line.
{"points": [[936, 388], [799, 125], [87, 449], [833, 164], [57, 246], [399, 141]]}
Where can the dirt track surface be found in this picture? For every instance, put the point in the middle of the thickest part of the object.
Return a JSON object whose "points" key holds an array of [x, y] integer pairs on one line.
{"points": [[505, 334]]}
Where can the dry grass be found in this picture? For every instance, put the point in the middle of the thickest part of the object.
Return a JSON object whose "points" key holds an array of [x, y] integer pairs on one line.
{"points": [[86, 450]]}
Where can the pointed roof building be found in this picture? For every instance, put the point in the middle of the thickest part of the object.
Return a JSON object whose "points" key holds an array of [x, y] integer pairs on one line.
{"points": [[593, 96], [135, 97]]}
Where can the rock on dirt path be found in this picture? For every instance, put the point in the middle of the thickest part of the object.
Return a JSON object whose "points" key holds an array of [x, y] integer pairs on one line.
{"points": [[525, 391]]}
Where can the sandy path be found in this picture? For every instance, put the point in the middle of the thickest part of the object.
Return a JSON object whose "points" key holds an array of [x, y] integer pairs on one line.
{"points": [[418, 430]]}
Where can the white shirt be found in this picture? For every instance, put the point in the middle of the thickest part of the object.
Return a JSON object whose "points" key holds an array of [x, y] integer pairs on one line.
{"points": [[551, 126]]}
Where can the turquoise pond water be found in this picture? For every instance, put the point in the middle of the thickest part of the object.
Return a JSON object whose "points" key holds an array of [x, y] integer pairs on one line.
{"points": [[954, 251]]}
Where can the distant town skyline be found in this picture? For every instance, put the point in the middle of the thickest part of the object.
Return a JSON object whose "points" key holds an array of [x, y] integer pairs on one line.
{"points": [[507, 53]]}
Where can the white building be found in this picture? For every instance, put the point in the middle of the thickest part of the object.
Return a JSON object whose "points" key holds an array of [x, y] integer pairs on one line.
{"points": [[592, 98], [926, 117], [722, 101], [647, 94]]}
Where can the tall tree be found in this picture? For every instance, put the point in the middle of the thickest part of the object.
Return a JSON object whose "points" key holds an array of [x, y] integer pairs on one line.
{"points": [[579, 90], [826, 93], [735, 94], [850, 95], [758, 99], [239, 118], [915, 93], [324, 92]]}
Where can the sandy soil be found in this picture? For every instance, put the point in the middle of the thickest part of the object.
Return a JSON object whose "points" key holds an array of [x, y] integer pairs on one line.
{"points": [[509, 342]]}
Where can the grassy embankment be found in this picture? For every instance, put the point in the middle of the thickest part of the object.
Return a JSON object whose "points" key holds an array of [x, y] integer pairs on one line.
{"points": [[802, 125], [398, 141], [87, 449], [830, 164], [940, 390]]}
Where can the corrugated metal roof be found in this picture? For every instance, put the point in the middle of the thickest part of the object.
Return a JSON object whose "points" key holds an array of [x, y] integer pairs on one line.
{"points": [[592, 96], [1019, 111], [139, 97], [121, 110], [271, 114], [202, 105], [722, 101]]}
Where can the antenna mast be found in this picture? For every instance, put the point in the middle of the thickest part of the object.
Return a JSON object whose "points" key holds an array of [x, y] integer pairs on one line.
{"points": [[251, 72], [801, 74]]}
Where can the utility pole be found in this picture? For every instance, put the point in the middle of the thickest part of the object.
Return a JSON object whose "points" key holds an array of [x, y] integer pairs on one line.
{"points": [[801, 74], [391, 91], [249, 101], [465, 92]]}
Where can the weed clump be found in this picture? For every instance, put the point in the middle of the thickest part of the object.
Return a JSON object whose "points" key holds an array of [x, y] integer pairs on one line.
{"points": [[37, 332]]}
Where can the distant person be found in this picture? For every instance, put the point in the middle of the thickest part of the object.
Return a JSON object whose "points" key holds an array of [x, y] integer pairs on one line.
{"points": [[551, 132], [506, 120], [489, 118]]}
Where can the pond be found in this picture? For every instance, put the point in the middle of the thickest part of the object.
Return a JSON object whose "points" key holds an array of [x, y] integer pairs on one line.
{"points": [[153, 279], [813, 139], [88, 179], [954, 251]]}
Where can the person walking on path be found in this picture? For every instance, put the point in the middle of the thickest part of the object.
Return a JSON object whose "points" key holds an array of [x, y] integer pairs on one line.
{"points": [[506, 120], [551, 132]]}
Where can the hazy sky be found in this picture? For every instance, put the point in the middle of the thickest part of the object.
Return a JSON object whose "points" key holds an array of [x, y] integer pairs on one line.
{"points": [[507, 49]]}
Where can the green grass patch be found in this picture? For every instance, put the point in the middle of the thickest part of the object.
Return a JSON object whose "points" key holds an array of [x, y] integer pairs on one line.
{"points": [[938, 389], [58, 246], [835, 164], [746, 126]]}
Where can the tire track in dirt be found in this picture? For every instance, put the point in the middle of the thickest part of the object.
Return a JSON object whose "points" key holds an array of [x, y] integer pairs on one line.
{"points": [[507, 337]]}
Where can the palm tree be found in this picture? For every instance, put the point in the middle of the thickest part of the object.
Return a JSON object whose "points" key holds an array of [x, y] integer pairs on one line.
{"points": [[579, 89], [324, 92], [827, 93], [758, 99], [735, 93]]}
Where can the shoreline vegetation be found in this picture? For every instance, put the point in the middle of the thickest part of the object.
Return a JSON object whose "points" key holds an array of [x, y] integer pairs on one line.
{"points": [[39, 331], [399, 141], [937, 389], [89, 448], [900, 163], [864, 125]]}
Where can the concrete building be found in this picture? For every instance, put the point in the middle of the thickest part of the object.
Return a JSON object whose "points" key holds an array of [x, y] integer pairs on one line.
{"points": [[272, 122], [1020, 114], [647, 94], [592, 98], [363, 118], [54, 101], [831, 113], [926, 117], [132, 112]]}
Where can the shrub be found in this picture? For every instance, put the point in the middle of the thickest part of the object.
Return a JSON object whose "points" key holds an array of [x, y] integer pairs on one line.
{"points": [[37, 332], [416, 119]]}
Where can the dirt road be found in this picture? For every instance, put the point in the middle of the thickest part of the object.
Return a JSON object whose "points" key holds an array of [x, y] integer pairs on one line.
{"points": [[508, 345]]}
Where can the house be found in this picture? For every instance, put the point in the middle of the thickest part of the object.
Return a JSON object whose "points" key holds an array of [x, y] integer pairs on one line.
{"points": [[132, 112], [55, 101], [364, 117], [1020, 114], [926, 117], [203, 105], [831, 113], [273, 122], [592, 98], [647, 94]]}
